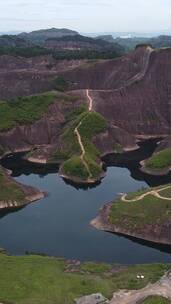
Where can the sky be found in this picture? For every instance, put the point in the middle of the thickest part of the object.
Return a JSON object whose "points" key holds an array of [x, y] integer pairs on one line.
{"points": [[86, 15]]}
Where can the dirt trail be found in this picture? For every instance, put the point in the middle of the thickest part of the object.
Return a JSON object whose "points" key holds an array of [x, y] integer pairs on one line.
{"points": [[90, 100], [137, 77], [82, 149], [160, 288], [152, 192], [76, 131]]}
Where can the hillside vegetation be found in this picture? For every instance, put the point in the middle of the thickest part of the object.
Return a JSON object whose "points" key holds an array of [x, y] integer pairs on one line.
{"points": [[26, 110], [34, 51]]}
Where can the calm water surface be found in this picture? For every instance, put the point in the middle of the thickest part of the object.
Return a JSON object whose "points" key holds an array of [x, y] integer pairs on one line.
{"points": [[59, 224]]}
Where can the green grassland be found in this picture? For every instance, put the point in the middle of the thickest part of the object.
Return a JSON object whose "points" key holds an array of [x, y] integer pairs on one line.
{"points": [[75, 167], [43, 280], [160, 160], [26, 110], [136, 215], [92, 267], [9, 190], [156, 300]]}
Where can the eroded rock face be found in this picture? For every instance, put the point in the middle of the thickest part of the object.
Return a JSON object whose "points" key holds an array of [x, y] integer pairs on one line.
{"points": [[92, 299], [43, 134], [107, 74], [132, 92], [25, 76]]}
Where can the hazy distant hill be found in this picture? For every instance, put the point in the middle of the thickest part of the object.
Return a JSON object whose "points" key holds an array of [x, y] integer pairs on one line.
{"points": [[61, 43], [41, 35], [13, 41], [156, 42], [108, 38], [79, 42], [161, 41]]}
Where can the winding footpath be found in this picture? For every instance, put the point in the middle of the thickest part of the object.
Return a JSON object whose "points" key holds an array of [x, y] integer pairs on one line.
{"points": [[152, 192], [90, 100], [76, 131], [137, 77]]}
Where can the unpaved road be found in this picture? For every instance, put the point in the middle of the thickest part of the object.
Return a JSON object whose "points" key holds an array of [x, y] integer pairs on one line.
{"points": [[152, 192], [161, 288]]}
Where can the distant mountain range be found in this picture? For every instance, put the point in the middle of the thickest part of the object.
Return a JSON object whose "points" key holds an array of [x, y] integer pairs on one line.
{"points": [[130, 43], [69, 40], [59, 39]]}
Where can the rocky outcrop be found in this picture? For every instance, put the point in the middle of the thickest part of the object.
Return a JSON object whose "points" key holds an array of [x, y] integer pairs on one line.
{"points": [[115, 140], [132, 92], [92, 299]]}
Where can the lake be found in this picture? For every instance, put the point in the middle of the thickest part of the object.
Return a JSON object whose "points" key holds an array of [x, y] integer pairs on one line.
{"points": [[59, 225]]}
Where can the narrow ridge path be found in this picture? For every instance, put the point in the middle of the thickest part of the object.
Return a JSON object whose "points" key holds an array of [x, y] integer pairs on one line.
{"points": [[90, 100], [152, 192], [137, 77], [76, 131]]}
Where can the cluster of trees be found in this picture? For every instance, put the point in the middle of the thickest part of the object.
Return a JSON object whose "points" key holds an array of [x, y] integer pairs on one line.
{"points": [[59, 54], [24, 51]]}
